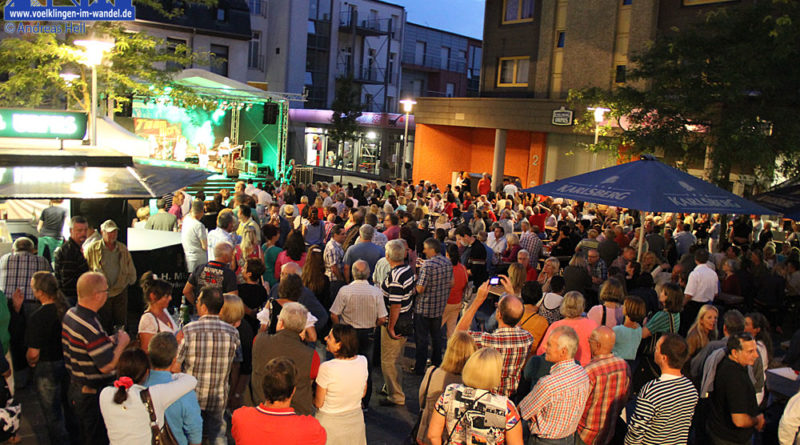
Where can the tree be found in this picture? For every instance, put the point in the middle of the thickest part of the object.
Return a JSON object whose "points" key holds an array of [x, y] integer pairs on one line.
{"points": [[346, 109], [724, 88], [34, 65]]}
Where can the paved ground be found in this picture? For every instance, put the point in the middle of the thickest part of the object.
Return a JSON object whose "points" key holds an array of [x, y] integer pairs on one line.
{"points": [[385, 425]]}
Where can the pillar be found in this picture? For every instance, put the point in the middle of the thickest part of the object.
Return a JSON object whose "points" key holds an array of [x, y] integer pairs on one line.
{"points": [[499, 158]]}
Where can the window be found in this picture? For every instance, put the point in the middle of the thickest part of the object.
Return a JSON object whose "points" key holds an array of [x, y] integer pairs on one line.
{"points": [[172, 45], [561, 39], [419, 53], [515, 11], [219, 60], [513, 72], [222, 15], [255, 6], [445, 58], [619, 77], [450, 89], [253, 53]]}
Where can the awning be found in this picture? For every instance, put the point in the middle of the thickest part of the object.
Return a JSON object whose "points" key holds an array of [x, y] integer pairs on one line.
{"points": [[90, 173]]}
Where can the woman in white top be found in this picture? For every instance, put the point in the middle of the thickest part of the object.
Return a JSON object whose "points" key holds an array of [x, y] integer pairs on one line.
{"points": [[341, 383], [157, 296], [126, 417]]}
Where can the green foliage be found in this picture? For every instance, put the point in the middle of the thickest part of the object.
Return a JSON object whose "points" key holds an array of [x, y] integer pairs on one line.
{"points": [[728, 76], [135, 66], [346, 109]]}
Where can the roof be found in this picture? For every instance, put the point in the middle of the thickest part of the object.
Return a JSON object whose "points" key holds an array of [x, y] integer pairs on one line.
{"points": [[445, 32], [208, 83]]}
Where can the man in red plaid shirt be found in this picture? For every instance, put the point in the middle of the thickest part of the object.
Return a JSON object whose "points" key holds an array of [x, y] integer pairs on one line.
{"points": [[511, 341], [555, 404], [609, 377]]}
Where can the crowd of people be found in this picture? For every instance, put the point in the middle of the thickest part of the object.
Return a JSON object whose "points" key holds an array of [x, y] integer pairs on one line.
{"points": [[533, 320]]}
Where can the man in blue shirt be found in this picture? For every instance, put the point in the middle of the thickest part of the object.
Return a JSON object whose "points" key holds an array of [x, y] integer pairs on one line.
{"points": [[365, 250], [183, 416]]}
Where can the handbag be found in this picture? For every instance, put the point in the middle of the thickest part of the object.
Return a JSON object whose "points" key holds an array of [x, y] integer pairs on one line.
{"points": [[161, 436], [646, 368], [412, 437]]}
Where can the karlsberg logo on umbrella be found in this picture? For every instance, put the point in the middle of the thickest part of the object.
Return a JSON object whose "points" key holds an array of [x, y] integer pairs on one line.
{"points": [[610, 180], [688, 187], [704, 201]]}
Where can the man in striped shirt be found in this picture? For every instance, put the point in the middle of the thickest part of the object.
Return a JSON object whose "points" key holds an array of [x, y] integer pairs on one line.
{"points": [[609, 377], [665, 406], [90, 355], [398, 292], [555, 404]]}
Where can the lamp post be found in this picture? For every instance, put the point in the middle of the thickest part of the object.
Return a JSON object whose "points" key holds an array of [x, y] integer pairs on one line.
{"points": [[408, 105], [599, 115], [94, 57]]}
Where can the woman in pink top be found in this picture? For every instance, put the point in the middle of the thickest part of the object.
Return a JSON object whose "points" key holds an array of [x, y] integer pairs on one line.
{"points": [[453, 308], [609, 311], [294, 252], [572, 309]]}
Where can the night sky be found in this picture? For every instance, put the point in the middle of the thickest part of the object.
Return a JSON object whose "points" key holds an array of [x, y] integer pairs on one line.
{"points": [[458, 16]]}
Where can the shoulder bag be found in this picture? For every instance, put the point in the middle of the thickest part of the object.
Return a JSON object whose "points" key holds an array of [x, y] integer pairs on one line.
{"points": [[161, 436]]}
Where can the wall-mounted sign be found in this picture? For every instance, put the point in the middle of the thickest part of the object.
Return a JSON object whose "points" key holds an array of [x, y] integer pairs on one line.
{"points": [[562, 116], [42, 124]]}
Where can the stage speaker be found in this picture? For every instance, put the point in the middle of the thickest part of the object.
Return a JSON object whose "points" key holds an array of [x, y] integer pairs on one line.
{"points": [[271, 111], [255, 153]]}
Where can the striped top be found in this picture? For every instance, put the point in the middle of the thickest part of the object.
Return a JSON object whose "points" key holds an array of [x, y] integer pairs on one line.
{"points": [[87, 348], [663, 412], [398, 288], [359, 304]]}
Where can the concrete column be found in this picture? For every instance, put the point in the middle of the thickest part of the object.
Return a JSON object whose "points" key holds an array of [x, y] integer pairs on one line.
{"points": [[499, 158]]}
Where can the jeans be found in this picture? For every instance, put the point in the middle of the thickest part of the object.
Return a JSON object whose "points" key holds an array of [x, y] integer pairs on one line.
{"points": [[51, 381], [535, 440], [93, 429], [214, 428], [391, 353], [424, 327], [366, 340]]}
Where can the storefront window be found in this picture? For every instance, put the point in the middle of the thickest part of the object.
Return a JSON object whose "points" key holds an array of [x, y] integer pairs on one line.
{"points": [[362, 154]]}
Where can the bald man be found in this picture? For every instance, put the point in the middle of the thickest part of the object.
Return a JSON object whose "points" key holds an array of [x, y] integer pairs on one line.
{"points": [[215, 273], [513, 342], [609, 377], [90, 355]]}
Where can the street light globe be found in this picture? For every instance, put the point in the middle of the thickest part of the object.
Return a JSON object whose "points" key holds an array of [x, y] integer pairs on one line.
{"points": [[94, 50], [69, 77], [408, 105], [599, 113]]}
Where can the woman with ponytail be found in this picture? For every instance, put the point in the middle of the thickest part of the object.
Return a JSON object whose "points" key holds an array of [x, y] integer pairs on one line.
{"points": [[126, 417], [157, 296], [44, 355]]}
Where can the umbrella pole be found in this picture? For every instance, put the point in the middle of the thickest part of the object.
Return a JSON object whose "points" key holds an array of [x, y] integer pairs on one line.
{"points": [[641, 236]]}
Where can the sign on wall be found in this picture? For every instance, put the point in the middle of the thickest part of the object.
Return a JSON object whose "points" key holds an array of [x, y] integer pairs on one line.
{"points": [[42, 124], [562, 117]]}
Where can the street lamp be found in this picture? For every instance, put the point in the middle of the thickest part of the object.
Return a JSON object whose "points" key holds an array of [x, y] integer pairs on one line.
{"points": [[599, 116], [408, 105], [94, 56]]}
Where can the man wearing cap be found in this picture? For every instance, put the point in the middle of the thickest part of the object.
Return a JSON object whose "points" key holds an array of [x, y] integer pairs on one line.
{"points": [[112, 259]]}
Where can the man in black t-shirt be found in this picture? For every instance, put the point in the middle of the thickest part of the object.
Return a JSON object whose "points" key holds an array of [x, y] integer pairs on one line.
{"points": [[473, 256], [734, 411], [214, 273]]}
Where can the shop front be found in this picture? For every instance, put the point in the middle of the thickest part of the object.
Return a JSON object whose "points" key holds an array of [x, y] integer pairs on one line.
{"points": [[377, 150]]}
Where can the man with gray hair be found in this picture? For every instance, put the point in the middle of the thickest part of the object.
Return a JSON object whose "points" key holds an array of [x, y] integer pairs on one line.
{"points": [[555, 405], [214, 273], [17, 269], [194, 238], [360, 305], [286, 342], [225, 232], [364, 249], [398, 293]]}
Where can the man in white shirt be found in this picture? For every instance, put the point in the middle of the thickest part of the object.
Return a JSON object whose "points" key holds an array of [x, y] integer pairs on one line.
{"points": [[701, 288], [509, 188], [194, 238]]}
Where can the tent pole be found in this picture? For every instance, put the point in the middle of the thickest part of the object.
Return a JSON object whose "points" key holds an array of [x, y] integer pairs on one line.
{"points": [[641, 236]]}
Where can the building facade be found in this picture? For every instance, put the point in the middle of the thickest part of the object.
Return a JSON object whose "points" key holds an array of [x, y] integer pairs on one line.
{"points": [[534, 52], [438, 63]]}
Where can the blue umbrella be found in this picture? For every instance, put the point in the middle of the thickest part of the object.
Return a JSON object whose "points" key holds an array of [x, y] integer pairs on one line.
{"points": [[649, 185], [783, 199]]}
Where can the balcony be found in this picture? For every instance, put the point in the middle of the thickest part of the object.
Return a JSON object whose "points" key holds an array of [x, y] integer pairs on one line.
{"points": [[432, 63], [349, 21], [370, 75]]}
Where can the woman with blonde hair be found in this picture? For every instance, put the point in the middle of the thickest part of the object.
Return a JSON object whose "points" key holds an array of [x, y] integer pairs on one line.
{"points": [[500, 419], [512, 247], [703, 330], [249, 248], [609, 311], [550, 269], [572, 309], [232, 312], [459, 349]]}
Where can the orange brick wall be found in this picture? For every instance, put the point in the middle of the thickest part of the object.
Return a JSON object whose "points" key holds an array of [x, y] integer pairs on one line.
{"points": [[440, 150]]}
